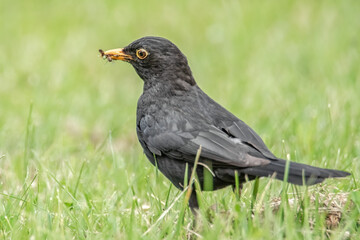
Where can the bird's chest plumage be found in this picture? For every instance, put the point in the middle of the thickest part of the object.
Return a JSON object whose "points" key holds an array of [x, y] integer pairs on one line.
{"points": [[151, 117], [158, 116]]}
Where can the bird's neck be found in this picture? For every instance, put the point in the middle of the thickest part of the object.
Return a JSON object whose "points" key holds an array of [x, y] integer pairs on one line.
{"points": [[173, 80], [168, 87]]}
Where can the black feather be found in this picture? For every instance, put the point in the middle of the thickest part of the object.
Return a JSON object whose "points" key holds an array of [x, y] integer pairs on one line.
{"points": [[299, 174]]}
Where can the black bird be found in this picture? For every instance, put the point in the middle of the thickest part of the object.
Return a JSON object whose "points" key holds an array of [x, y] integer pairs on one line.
{"points": [[175, 117]]}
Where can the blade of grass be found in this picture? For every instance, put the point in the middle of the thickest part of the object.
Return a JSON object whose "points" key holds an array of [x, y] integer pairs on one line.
{"points": [[78, 179], [165, 212], [168, 196], [113, 156], [63, 187], [237, 186], [192, 177], [28, 135], [208, 176], [254, 193], [188, 193]]}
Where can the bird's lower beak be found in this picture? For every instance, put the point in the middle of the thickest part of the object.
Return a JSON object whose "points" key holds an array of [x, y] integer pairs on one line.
{"points": [[115, 54]]}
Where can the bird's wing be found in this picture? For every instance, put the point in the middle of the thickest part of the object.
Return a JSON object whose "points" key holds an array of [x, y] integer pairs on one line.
{"points": [[233, 126], [238, 129], [180, 139]]}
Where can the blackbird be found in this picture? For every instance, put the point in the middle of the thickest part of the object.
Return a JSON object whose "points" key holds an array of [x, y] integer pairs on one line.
{"points": [[175, 117]]}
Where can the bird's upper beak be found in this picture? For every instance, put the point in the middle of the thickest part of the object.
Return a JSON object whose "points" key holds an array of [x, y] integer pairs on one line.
{"points": [[116, 54]]}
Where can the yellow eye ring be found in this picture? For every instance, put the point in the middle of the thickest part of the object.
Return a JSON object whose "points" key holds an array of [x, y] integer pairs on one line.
{"points": [[141, 53]]}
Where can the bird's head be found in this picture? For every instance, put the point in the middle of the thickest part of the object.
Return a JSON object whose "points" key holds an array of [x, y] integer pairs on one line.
{"points": [[154, 58]]}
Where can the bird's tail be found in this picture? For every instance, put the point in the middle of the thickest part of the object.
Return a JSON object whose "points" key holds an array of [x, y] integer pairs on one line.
{"points": [[298, 173]]}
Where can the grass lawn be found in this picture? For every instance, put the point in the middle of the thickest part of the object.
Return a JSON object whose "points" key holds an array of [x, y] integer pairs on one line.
{"points": [[70, 163]]}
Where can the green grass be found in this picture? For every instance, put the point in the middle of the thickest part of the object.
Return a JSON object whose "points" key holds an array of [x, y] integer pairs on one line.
{"points": [[70, 163]]}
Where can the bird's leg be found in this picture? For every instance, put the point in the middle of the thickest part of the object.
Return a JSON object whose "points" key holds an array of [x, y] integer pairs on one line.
{"points": [[193, 203], [237, 191], [194, 207]]}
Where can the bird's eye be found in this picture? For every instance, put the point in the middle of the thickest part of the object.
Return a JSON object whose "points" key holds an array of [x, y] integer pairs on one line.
{"points": [[141, 53]]}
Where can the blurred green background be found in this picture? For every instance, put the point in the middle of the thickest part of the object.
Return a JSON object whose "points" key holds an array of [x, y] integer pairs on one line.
{"points": [[70, 163]]}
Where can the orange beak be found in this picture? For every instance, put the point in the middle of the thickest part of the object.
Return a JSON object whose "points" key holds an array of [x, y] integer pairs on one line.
{"points": [[115, 54]]}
